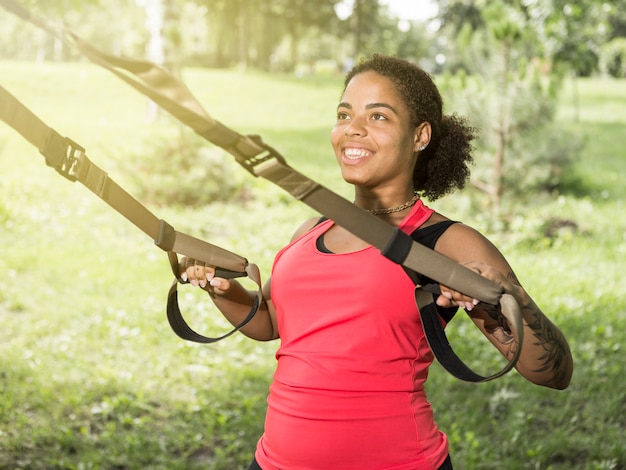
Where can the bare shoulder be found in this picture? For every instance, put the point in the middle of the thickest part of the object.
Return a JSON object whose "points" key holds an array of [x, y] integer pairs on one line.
{"points": [[463, 243], [305, 227]]}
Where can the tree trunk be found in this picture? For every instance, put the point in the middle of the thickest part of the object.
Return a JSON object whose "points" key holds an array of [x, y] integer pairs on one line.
{"points": [[575, 97], [504, 121], [294, 39], [242, 25], [155, 20], [356, 28]]}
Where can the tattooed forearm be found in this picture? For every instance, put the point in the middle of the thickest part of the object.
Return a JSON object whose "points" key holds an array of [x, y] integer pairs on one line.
{"points": [[552, 342], [501, 332], [548, 353], [513, 278]]}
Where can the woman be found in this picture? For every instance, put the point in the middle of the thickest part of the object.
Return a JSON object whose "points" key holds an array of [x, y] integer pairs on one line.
{"points": [[348, 392]]}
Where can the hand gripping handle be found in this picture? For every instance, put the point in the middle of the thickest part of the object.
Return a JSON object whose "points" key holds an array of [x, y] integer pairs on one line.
{"points": [[438, 342], [175, 317]]}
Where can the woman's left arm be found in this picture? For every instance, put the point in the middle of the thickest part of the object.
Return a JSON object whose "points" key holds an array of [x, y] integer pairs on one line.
{"points": [[545, 358]]}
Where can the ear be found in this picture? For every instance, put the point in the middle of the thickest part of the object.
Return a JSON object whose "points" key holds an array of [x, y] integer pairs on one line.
{"points": [[422, 136]]}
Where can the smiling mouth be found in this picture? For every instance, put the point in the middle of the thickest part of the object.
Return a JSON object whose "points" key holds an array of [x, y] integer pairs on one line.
{"points": [[356, 154]]}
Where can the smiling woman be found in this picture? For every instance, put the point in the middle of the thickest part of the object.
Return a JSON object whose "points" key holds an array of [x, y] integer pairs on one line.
{"points": [[348, 391], [371, 137]]}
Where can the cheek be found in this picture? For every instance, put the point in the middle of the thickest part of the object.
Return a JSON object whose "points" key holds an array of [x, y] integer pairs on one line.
{"points": [[335, 137], [407, 145]]}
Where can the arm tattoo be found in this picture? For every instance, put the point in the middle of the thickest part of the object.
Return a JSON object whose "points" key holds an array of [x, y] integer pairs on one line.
{"points": [[546, 335], [502, 332]]}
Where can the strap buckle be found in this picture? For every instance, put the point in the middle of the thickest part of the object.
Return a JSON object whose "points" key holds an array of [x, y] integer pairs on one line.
{"points": [[250, 157], [63, 154]]}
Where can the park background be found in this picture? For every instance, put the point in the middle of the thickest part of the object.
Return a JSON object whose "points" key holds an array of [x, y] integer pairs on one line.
{"points": [[91, 376]]}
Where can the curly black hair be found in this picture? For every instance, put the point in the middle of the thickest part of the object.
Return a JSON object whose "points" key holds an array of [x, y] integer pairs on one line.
{"points": [[444, 165]]}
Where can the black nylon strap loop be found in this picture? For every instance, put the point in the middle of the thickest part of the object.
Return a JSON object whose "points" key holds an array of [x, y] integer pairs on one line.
{"points": [[438, 341], [182, 328], [440, 346]]}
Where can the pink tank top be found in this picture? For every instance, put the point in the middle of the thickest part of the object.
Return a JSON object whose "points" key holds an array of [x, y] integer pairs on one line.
{"points": [[348, 389]]}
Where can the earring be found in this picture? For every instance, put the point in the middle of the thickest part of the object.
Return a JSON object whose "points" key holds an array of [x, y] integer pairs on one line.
{"points": [[421, 148]]}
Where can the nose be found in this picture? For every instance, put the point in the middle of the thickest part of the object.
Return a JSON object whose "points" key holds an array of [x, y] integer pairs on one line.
{"points": [[355, 128]]}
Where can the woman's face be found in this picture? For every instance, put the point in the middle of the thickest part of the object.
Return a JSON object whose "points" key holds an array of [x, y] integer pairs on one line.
{"points": [[373, 138]]}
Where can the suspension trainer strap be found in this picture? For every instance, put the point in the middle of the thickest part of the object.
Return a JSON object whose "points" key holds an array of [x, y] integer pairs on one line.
{"points": [[70, 160], [438, 341], [262, 160]]}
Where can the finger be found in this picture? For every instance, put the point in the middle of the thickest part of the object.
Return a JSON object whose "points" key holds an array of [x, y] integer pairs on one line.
{"points": [[453, 298], [183, 264], [209, 272], [200, 273], [190, 274], [444, 302], [447, 301], [466, 302], [219, 285]]}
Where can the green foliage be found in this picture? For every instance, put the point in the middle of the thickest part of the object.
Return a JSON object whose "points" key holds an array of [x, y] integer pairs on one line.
{"points": [[567, 35], [613, 58], [92, 377], [540, 153], [511, 94], [542, 160], [506, 24], [576, 31], [186, 170]]}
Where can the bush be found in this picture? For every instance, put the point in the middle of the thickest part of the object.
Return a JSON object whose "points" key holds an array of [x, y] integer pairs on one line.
{"points": [[187, 171], [542, 160], [539, 153], [613, 58]]}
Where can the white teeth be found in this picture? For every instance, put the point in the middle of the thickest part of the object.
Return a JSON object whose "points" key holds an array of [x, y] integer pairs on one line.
{"points": [[354, 154]]}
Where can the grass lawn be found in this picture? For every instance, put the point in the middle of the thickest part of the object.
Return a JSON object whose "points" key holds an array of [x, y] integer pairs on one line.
{"points": [[92, 377]]}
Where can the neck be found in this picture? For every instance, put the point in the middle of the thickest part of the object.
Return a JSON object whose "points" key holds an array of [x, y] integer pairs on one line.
{"points": [[402, 207]]}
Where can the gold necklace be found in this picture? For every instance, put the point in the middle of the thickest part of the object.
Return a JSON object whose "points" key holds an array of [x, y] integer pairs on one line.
{"points": [[410, 203]]}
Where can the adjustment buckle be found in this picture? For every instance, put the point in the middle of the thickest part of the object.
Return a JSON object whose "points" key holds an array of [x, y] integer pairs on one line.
{"points": [[249, 156], [64, 155]]}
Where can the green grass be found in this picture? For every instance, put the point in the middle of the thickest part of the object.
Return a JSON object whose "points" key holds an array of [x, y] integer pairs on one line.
{"points": [[92, 377]]}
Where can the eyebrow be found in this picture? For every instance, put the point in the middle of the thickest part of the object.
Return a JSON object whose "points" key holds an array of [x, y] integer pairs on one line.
{"points": [[343, 104]]}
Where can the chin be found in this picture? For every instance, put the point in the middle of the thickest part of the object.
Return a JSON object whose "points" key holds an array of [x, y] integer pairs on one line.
{"points": [[351, 178]]}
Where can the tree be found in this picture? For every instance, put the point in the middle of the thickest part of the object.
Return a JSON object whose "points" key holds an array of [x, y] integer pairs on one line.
{"points": [[616, 18], [511, 94], [574, 32], [106, 26], [613, 57], [300, 16]]}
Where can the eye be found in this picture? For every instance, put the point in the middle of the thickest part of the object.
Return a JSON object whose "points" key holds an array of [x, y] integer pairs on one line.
{"points": [[342, 116], [379, 117]]}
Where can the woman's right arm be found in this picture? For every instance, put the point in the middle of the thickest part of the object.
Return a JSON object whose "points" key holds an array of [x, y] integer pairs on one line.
{"points": [[234, 300]]}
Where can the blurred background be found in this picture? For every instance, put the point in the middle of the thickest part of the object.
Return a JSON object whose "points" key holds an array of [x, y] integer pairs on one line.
{"points": [[517, 54], [91, 377], [323, 36]]}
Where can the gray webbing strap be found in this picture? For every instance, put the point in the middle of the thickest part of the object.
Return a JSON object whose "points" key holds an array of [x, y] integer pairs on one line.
{"points": [[261, 160], [70, 160]]}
